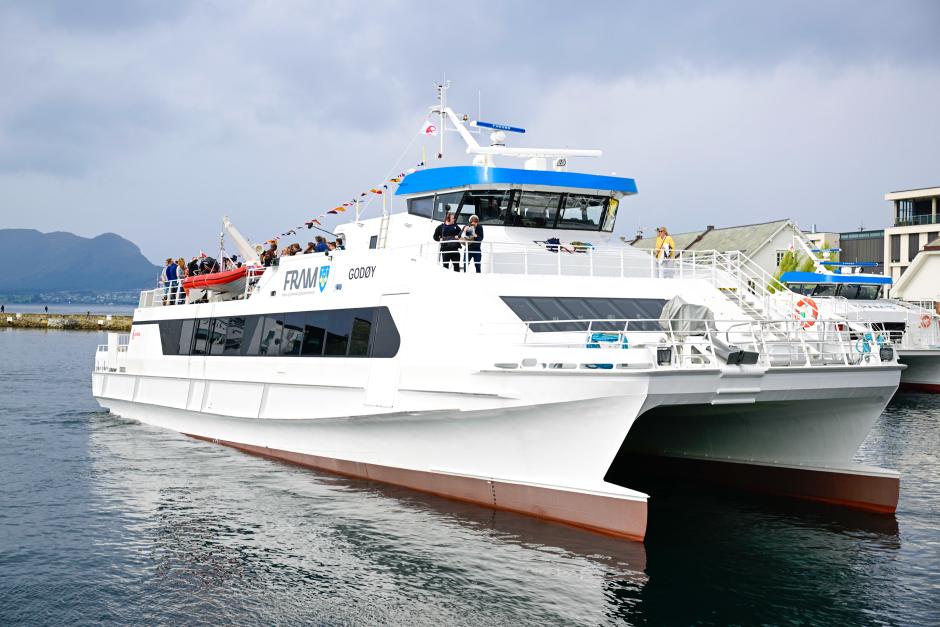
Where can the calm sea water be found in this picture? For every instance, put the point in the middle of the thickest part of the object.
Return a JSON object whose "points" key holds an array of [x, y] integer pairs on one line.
{"points": [[106, 520]]}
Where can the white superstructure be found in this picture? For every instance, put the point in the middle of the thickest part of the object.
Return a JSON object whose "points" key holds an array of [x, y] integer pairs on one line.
{"points": [[531, 386]]}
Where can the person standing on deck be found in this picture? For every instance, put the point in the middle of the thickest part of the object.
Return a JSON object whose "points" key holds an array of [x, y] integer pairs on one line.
{"points": [[447, 234], [473, 233], [665, 252], [164, 280]]}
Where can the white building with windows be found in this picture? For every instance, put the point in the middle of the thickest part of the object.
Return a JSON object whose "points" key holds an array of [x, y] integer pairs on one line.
{"points": [[765, 243], [916, 223]]}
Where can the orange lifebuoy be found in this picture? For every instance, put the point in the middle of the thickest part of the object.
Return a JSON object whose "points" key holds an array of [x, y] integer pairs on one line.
{"points": [[808, 318], [925, 321]]}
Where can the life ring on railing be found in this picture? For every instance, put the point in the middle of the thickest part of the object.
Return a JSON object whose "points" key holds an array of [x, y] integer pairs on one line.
{"points": [[925, 321], [806, 312]]}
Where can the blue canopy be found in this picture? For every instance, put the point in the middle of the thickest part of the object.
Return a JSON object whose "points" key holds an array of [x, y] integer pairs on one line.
{"points": [[434, 179], [820, 277]]}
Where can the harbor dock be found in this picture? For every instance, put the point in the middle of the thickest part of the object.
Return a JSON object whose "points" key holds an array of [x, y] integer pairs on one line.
{"points": [[71, 321]]}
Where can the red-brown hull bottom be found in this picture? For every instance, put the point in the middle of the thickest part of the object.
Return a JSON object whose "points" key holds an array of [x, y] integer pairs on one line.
{"points": [[930, 388], [623, 518], [873, 492]]}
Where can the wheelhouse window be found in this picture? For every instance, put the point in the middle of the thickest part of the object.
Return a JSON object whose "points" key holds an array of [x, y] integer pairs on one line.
{"points": [[492, 207], [536, 209], [446, 203], [581, 212], [825, 289], [548, 210], [423, 207]]}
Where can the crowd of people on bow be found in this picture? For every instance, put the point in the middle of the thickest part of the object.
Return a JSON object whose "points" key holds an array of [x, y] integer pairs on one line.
{"points": [[175, 272], [452, 237]]}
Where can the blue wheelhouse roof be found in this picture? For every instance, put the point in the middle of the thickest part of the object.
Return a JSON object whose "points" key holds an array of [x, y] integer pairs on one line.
{"points": [[819, 277], [459, 176]]}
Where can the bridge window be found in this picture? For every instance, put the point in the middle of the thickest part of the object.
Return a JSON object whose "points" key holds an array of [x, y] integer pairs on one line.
{"points": [[446, 203], [581, 212], [536, 209], [492, 207], [423, 207], [825, 289]]}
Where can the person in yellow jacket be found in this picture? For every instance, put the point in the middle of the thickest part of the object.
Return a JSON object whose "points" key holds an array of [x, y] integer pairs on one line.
{"points": [[665, 251]]}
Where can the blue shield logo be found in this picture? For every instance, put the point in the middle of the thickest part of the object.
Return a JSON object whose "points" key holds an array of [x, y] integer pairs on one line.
{"points": [[324, 275]]}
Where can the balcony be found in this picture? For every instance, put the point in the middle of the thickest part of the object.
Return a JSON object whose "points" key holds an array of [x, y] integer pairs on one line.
{"points": [[916, 220]]}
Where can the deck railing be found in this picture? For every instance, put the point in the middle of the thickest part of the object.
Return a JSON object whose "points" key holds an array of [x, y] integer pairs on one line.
{"points": [[662, 344]]}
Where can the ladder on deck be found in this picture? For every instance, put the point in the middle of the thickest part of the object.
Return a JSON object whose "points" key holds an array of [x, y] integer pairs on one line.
{"points": [[383, 231]]}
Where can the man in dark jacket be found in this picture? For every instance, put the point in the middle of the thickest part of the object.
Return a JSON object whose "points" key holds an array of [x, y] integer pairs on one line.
{"points": [[448, 234]]}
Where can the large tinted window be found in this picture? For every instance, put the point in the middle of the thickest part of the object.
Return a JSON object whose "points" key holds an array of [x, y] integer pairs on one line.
{"points": [[251, 336], [314, 333], [217, 336], [536, 209], [271, 335], [385, 339], [338, 327], [186, 337], [359, 335], [293, 336], [201, 337], [233, 335], [582, 212], [364, 332], [547, 308], [170, 336]]}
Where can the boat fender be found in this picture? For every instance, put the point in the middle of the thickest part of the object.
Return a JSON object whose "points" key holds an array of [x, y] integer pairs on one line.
{"points": [[925, 321], [806, 312]]}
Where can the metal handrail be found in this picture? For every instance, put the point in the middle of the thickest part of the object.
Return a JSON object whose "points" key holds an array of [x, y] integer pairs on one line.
{"points": [[779, 343]]}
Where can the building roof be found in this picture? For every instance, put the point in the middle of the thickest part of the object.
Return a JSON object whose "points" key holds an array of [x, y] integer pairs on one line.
{"points": [[933, 244], [747, 238], [907, 194]]}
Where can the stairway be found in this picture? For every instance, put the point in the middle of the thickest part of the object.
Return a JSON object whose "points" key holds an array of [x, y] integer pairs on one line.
{"points": [[383, 231]]}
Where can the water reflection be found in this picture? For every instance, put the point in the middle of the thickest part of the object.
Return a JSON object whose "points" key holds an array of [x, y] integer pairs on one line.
{"points": [[108, 520]]}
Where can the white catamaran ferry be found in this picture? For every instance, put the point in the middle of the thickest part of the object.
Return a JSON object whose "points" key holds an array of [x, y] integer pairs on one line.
{"points": [[534, 385]]}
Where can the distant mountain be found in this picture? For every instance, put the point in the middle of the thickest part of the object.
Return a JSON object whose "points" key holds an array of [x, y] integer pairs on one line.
{"points": [[49, 262]]}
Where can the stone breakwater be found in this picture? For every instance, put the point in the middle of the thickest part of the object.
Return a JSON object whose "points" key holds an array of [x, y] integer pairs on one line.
{"points": [[71, 322]]}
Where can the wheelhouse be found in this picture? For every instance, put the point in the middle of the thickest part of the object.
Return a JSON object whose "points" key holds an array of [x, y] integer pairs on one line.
{"points": [[517, 198], [848, 286]]}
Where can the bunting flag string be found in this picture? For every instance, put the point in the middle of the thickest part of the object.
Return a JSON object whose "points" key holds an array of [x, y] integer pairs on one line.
{"points": [[355, 201]]}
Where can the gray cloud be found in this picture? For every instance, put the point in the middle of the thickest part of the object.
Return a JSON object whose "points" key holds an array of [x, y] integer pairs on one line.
{"points": [[272, 111]]}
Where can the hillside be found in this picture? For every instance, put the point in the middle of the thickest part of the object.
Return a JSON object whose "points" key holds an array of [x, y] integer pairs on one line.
{"points": [[49, 262]]}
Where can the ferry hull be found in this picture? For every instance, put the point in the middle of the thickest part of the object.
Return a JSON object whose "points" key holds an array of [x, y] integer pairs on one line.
{"points": [[923, 370], [525, 460], [559, 460]]}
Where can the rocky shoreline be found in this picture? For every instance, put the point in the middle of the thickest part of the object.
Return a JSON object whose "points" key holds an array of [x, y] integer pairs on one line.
{"points": [[67, 322]]}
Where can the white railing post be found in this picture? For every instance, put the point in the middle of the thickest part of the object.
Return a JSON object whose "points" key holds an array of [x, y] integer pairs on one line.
{"points": [[559, 261], [590, 252], [621, 263], [525, 260]]}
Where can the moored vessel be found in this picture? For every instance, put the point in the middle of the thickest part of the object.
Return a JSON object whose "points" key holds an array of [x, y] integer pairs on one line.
{"points": [[526, 385]]}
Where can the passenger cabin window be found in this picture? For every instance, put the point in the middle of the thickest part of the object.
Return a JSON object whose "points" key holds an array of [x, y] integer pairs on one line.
{"points": [[548, 210], [542, 310], [361, 332]]}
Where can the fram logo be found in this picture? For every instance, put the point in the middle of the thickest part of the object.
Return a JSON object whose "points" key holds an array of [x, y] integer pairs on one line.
{"points": [[306, 279]]}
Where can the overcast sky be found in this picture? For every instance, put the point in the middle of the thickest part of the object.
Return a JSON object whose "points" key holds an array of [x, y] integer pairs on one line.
{"points": [[152, 119]]}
